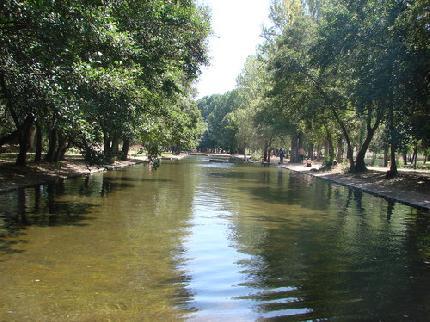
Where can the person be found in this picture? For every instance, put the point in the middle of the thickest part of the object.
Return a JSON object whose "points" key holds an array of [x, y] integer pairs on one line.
{"points": [[281, 155]]}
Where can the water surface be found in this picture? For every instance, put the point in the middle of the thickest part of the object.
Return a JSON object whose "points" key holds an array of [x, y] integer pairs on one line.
{"points": [[210, 242]]}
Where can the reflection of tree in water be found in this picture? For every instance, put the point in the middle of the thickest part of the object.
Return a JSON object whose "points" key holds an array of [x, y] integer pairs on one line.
{"points": [[134, 242], [390, 209], [152, 210], [164, 202], [290, 188], [361, 259], [417, 261], [37, 206]]}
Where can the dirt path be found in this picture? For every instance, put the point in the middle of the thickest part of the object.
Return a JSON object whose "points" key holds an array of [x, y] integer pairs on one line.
{"points": [[410, 187], [12, 177]]}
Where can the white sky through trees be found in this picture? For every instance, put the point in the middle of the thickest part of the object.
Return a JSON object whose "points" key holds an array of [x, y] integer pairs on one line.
{"points": [[237, 26]]}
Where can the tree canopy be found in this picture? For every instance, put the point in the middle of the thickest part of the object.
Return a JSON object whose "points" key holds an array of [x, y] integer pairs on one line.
{"points": [[92, 74], [337, 74]]}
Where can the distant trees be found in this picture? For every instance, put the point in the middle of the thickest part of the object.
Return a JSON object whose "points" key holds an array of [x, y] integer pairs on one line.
{"points": [[338, 74], [100, 75], [220, 130]]}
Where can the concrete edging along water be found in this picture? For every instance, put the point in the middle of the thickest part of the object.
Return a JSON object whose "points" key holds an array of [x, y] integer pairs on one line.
{"points": [[405, 197]]}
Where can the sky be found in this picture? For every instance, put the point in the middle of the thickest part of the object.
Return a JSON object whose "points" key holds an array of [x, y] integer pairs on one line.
{"points": [[237, 26]]}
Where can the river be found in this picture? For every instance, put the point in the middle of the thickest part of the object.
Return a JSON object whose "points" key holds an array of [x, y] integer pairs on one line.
{"points": [[203, 241]]}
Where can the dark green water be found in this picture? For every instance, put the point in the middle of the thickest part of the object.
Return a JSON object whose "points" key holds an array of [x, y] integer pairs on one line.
{"points": [[210, 242]]}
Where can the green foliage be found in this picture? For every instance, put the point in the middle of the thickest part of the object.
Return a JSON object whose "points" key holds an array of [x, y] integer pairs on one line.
{"points": [[113, 70], [221, 130], [331, 72]]}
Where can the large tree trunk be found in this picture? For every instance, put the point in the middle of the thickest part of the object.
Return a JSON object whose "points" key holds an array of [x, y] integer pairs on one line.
{"points": [[125, 148], [339, 154], [294, 149], [405, 159], [61, 148], [386, 155], [296, 144], [329, 147], [52, 146], [360, 165], [62, 152], [393, 164], [39, 147], [350, 156], [302, 152], [265, 152], [311, 151], [32, 138], [415, 155], [24, 140], [107, 145], [115, 145]]}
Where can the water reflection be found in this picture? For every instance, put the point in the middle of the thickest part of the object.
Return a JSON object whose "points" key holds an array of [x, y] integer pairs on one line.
{"points": [[124, 264], [37, 206], [302, 249], [210, 241]]}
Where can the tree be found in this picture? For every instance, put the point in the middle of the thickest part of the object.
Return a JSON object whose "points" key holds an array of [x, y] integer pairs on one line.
{"points": [[92, 73], [221, 130]]}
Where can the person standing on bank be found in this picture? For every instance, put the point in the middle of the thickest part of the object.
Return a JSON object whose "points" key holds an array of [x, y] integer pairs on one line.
{"points": [[281, 155]]}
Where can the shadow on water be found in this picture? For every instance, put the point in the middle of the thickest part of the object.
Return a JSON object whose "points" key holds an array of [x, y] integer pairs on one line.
{"points": [[362, 249], [130, 253], [101, 187], [37, 206], [231, 175], [109, 184], [290, 189], [129, 179], [307, 192]]}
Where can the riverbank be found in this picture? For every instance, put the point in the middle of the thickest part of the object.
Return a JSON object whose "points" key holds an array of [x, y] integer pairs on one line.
{"points": [[410, 187], [13, 177]]}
